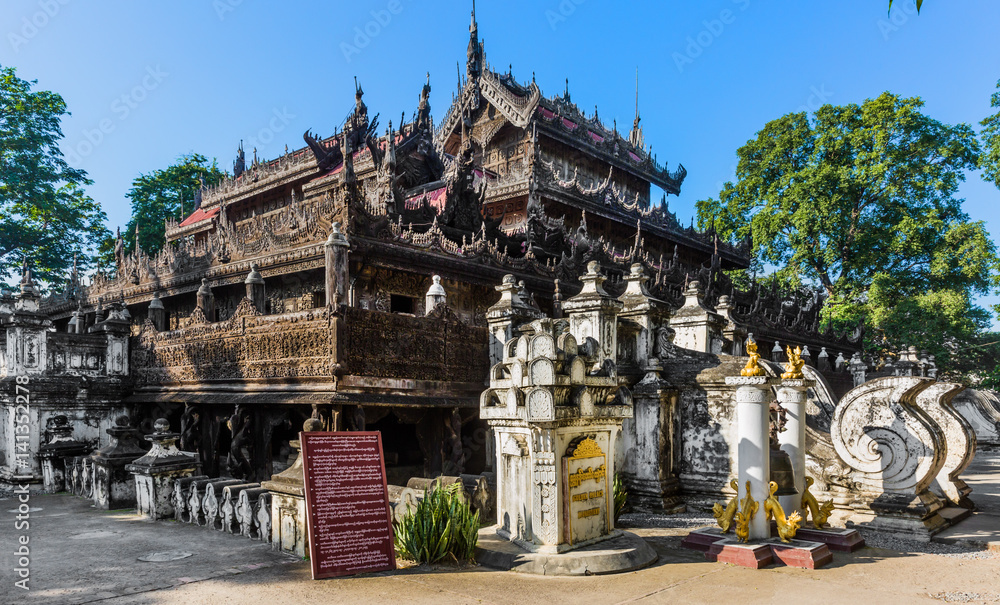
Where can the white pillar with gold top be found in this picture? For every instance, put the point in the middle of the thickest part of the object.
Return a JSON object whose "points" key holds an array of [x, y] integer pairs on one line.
{"points": [[752, 422], [792, 440]]}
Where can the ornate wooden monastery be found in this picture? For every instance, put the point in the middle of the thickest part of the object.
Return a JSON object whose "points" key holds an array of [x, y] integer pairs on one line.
{"points": [[302, 286]]}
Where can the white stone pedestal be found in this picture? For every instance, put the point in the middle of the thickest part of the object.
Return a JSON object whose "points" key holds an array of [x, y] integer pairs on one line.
{"points": [[156, 472]]}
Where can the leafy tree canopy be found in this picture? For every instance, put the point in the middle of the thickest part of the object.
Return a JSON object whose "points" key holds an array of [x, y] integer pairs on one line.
{"points": [[45, 216], [859, 200], [990, 160], [160, 194]]}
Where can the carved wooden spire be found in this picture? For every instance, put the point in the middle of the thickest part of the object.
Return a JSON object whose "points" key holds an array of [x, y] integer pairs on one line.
{"points": [[474, 55]]}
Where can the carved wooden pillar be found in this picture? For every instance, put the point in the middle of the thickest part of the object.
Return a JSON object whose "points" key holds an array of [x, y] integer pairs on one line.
{"points": [[212, 420], [157, 314], [452, 452], [241, 425], [255, 288], [337, 251], [430, 435], [191, 428]]}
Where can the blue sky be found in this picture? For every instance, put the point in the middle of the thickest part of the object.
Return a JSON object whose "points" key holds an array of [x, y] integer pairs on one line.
{"points": [[149, 81]]}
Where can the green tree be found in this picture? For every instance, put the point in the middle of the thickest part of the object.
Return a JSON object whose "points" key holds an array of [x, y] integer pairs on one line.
{"points": [[159, 195], [990, 160], [860, 201], [45, 215]]}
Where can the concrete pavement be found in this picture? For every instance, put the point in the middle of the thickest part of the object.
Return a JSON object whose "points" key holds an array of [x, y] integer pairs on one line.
{"points": [[83, 555], [983, 526]]}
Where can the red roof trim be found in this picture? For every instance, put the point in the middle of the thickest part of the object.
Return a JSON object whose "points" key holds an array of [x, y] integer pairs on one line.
{"points": [[198, 215]]}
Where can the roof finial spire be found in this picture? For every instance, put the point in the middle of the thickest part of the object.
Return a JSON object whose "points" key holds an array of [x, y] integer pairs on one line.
{"points": [[474, 54], [637, 93], [635, 135]]}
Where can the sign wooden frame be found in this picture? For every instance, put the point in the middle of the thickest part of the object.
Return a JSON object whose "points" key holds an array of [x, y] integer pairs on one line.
{"points": [[317, 498]]}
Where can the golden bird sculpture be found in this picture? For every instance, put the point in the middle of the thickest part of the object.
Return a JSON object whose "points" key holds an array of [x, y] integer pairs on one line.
{"points": [[724, 516], [748, 508], [810, 506], [787, 526]]}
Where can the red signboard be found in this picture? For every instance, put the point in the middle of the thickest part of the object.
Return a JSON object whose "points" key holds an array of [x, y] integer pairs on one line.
{"points": [[347, 503]]}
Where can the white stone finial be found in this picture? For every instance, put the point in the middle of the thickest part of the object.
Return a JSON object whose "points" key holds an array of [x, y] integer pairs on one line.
{"points": [[337, 237], [435, 296], [254, 277], [593, 280]]}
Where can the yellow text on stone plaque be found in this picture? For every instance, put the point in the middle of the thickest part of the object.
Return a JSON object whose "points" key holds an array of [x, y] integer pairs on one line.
{"points": [[598, 474], [590, 512]]}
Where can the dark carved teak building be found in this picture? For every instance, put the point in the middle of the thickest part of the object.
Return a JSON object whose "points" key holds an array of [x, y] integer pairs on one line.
{"points": [[300, 286]]}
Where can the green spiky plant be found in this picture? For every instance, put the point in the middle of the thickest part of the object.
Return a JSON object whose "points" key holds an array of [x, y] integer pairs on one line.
{"points": [[441, 524], [620, 494]]}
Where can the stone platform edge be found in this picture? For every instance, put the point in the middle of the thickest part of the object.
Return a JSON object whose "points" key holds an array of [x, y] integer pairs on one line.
{"points": [[627, 552]]}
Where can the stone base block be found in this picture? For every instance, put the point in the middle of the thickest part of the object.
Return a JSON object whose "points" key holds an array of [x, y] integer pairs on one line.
{"points": [[289, 530], [114, 487], [626, 552], [702, 539], [842, 540], [954, 514], [800, 553], [730, 550]]}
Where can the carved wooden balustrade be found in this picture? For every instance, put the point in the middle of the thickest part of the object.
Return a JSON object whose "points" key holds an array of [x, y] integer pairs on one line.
{"points": [[319, 346]]}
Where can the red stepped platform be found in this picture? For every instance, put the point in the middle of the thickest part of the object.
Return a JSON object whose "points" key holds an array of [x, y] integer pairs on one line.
{"points": [[843, 540], [810, 550], [800, 553], [702, 539], [729, 550]]}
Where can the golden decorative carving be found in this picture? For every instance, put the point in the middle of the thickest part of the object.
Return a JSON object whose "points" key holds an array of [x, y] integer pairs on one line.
{"points": [[820, 513], [753, 366], [793, 369], [588, 448], [748, 508], [724, 516], [787, 526]]}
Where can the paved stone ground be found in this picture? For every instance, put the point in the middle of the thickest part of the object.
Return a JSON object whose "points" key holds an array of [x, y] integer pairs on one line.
{"points": [[983, 527], [82, 555]]}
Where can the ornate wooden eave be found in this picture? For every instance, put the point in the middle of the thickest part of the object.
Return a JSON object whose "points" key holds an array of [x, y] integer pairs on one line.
{"points": [[260, 178], [670, 183]]}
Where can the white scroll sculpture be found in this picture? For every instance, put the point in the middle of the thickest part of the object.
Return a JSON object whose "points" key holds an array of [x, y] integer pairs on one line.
{"points": [[890, 444], [902, 441], [981, 409], [958, 440]]}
